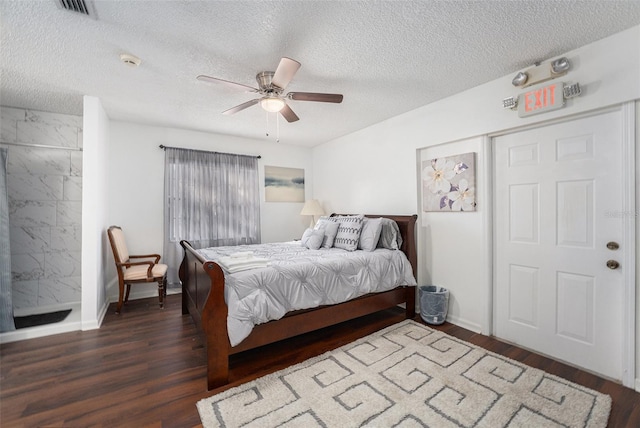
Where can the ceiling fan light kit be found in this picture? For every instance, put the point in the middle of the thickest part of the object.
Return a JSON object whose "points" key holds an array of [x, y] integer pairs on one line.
{"points": [[272, 104], [271, 86]]}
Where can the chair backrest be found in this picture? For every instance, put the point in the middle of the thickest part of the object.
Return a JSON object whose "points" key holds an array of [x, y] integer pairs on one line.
{"points": [[118, 244]]}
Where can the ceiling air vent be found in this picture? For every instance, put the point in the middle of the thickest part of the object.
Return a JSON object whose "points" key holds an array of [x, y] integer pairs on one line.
{"points": [[84, 7]]}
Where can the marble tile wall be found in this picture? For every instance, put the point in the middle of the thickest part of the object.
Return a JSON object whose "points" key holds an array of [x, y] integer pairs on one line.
{"points": [[45, 205]]}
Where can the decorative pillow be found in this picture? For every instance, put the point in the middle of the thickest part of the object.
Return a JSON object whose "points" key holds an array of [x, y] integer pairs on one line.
{"points": [[330, 230], [390, 236], [348, 231], [370, 234], [312, 239]]}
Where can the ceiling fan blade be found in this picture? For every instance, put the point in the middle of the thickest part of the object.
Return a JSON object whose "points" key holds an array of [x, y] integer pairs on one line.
{"points": [[311, 96], [210, 79], [241, 106], [285, 72], [288, 114]]}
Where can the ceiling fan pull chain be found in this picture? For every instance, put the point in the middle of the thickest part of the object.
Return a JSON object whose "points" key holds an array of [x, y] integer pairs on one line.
{"points": [[267, 115], [277, 128]]}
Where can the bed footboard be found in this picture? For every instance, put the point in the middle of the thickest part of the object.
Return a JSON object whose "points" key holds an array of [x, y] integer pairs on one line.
{"points": [[203, 298]]}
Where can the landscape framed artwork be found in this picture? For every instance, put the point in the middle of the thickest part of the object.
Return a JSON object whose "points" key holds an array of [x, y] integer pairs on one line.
{"points": [[449, 183], [283, 184]]}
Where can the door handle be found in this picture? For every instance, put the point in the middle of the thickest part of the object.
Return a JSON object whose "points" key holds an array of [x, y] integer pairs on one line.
{"points": [[612, 264]]}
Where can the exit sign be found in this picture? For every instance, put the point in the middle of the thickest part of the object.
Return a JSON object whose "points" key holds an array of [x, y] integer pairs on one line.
{"points": [[541, 100]]}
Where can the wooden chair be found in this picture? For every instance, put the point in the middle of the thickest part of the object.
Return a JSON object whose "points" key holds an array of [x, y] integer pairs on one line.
{"points": [[135, 272]]}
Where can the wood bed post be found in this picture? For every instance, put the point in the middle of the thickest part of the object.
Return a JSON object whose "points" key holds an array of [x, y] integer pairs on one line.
{"points": [[214, 324], [183, 274], [203, 298], [410, 249], [410, 305]]}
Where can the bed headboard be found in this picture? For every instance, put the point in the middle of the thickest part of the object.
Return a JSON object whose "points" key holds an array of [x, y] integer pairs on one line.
{"points": [[407, 226]]}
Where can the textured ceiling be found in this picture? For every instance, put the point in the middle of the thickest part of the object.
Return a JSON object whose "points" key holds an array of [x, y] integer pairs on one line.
{"points": [[386, 57]]}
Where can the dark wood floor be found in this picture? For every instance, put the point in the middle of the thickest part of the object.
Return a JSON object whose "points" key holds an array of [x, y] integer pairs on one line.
{"points": [[145, 368]]}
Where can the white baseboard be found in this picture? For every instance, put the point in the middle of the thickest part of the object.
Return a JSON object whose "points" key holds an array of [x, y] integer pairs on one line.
{"points": [[637, 384], [95, 324], [461, 322], [141, 292]]}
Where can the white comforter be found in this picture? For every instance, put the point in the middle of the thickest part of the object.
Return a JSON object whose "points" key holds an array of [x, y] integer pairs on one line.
{"points": [[299, 278]]}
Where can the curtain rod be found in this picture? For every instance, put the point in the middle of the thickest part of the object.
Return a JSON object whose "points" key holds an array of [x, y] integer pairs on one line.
{"points": [[206, 151]]}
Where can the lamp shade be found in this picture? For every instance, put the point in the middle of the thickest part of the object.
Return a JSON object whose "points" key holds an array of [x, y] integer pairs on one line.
{"points": [[312, 207]]}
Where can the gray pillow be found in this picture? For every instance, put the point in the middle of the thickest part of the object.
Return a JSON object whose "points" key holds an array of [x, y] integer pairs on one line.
{"points": [[370, 234], [348, 231], [390, 236], [330, 230], [312, 239]]}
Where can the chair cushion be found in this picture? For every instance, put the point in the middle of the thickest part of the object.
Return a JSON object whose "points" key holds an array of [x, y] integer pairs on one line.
{"points": [[135, 273], [120, 245]]}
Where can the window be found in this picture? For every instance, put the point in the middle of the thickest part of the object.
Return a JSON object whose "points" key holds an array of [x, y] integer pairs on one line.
{"points": [[212, 199]]}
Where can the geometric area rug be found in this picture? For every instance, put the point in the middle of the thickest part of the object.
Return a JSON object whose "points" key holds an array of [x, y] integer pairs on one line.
{"points": [[407, 375]]}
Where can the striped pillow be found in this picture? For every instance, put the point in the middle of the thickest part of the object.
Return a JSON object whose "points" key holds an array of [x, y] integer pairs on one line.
{"points": [[348, 232]]}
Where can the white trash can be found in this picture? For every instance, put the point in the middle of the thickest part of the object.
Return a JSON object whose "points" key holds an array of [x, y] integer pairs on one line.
{"points": [[434, 303]]}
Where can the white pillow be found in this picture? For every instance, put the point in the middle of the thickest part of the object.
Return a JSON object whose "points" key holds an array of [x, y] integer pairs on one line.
{"points": [[348, 231], [390, 236], [370, 234], [312, 239], [330, 230]]}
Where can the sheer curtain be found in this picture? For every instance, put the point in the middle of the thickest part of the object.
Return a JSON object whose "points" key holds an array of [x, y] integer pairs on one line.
{"points": [[211, 199], [6, 302]]}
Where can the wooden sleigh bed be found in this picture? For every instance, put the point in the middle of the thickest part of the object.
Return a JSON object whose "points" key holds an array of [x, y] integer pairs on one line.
{"points": [[203, 298]]}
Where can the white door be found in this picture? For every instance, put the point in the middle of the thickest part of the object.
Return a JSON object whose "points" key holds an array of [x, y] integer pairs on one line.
{"points": [[559, 202]]}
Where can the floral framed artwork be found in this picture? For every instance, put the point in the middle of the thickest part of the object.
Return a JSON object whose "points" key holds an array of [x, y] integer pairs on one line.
{"points": [[449, 183]]}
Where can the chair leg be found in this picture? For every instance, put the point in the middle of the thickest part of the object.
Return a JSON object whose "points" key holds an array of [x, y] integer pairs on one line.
{"points": [[162, 290], [126, 296], [120, 296]]}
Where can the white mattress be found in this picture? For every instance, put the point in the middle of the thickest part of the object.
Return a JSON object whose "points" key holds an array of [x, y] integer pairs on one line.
{"points": [[299, 278]]}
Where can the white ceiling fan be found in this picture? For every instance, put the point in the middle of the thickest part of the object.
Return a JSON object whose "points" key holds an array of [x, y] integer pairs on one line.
{"points": [[271, 86]]}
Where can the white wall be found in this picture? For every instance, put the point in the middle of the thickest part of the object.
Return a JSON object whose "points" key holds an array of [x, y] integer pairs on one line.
{"points": [[464, 237], [637, 215], [374, 170], [94, 212], [136, 177]]}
